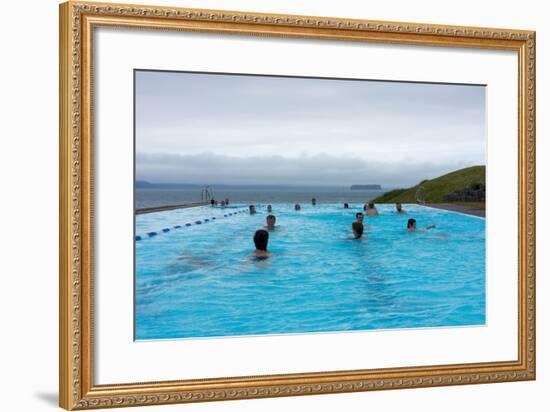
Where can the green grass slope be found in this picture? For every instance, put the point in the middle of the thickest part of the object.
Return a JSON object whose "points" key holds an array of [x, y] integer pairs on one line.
{"points": [[436, 189]]}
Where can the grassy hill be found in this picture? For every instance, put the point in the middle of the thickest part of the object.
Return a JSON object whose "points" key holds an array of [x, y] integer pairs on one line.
{"points": [[436, 189]]}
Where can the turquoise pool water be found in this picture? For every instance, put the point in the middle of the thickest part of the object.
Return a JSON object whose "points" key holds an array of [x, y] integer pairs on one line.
{"points": [[200, 280]]}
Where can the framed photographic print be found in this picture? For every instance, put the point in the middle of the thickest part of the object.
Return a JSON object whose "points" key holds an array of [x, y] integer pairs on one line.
{"points": [[259, 205]]}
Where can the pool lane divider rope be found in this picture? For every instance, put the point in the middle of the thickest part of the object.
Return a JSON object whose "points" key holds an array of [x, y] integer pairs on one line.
{"points": [[197, 222]]}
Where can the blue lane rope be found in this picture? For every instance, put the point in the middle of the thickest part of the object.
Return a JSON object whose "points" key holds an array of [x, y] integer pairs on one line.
{"points": [[197, 222]]}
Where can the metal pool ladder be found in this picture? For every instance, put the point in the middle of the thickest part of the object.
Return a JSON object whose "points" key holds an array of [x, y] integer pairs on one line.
{"points": [[207, 194], [420, 195]]}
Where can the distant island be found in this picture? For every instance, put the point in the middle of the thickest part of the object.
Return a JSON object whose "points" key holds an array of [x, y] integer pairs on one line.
{"points": [[366, 187]]}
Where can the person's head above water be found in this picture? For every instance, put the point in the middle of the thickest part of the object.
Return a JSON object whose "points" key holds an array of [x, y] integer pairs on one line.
{"points": [[346, 206], [359, 217], [358, 229], [270, 221], [297, 206], [269, 208], [252, 209], [400, 209], [212, 202], [313, 201], [411, 226], [261, 238], [371, 209]]}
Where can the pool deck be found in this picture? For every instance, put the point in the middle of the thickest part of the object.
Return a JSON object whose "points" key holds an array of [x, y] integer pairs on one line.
{"points": [[169, 207], [473, 209]]}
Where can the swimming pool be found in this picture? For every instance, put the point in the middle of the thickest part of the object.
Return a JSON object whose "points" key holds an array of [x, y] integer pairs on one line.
{"points": [[200, 280]]}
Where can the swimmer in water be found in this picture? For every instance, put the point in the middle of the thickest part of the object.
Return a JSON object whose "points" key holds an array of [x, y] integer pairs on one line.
{"points": [[252, 209], [371, 209], [313, 201], [399, 209], [297, 206], [357, 229], [346, 206], [359, 217], [261, 237], [411, 226], [270, 222], [269, 209]]}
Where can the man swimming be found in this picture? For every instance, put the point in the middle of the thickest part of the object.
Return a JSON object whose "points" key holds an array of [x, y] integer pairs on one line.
{"points": [[411, 226], [357, 229], [252, 209], [270, 222], [261, 237], [313, 201], [399, 209], [269, 209], [359, 219], [371, 209], [346, 206], [297, 206]]}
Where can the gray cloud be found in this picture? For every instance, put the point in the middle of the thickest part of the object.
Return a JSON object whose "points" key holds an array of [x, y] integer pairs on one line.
{"points": [[258, 129], [323, 169]]}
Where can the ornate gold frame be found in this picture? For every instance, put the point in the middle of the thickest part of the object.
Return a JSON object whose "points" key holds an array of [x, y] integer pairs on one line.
{"points": [[76, 386]]}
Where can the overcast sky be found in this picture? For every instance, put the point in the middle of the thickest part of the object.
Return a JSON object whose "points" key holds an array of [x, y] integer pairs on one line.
{"points": [[231, 129]]}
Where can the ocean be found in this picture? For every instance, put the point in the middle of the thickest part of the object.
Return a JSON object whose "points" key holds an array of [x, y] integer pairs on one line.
{"points": [[155, 197]]}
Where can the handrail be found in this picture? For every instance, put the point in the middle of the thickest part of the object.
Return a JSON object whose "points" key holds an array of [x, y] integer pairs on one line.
{"points": [[207, 194], [420, 195]]}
